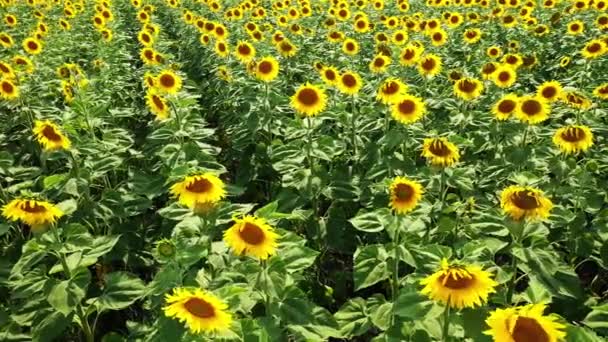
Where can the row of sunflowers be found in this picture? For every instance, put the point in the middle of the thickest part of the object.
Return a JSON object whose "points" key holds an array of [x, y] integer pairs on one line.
{"points": [[298, 170]]}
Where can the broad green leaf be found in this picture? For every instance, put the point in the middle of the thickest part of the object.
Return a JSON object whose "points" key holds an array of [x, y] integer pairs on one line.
{"points": [[52, 326], [353, 319], [582, 334], [370, 266], [373, 221], [297, 258], [120, 290], [4, 228], [598, 317], [411, 305], [65, 295]]}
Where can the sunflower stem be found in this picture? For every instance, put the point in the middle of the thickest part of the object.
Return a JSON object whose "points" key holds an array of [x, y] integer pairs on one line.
{"points": [[446, 324], [267, 107], [309, 183], [86, 328], [395, 289], [353, 124], [513, 282], [523, 140]]}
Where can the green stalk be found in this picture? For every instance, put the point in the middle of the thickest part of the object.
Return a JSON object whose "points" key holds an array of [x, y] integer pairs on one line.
{"points": [[523, 140], [513, 281], [395, 281], [86, 328], [353, 125], [446, 324], [311, 165]]}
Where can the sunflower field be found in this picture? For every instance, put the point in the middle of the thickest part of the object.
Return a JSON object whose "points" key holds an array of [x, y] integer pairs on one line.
{"points": [[304, 170]]}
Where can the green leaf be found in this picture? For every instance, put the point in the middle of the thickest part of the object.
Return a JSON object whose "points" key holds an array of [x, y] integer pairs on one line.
{"points": [[352, 318], [411, 304], [68, 206], [4, 228], [581, 334], [373, 221], [120, 290], [470, 319], [101, 246], [65, 295], [53, 180], [598, 317], [380, 311], [297, 258], [52, 326], [370, 266]]}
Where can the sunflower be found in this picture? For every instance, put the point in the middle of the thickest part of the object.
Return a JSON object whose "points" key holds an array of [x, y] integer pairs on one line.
{"points": [[525, 202], [524, 323], [472, 36], [8, 89], [468, 88], [404, 195], [350, 46], [252, 236], [224, 73], [429, 65], [408, 109], [6, 71], [10, 20], [32, 46], [488, 69], [287, 48], [222, 49], [576, 99], [309, 100], [399, 37], [410, 55], [379, 63], [576, 27], [532, 109], [601, 91], [23, 63], [6, 40], [391, 90], [106, 34], [574, 138], [37, 214], [350, 83], [50, 136], [439, 37], [267, 69], [564, 61], [145, 38], [199, 191], [334, 36], [147, 55], [459, 286], [168, 82], [244, 51], [200, 310], [157, 104], [330, 75], [513, 59], [594, 49], [504, 76], [550, 91], [506, 106], [494, 51], [440, 152]]}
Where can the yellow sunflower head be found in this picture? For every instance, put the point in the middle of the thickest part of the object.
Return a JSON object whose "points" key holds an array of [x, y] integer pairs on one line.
{"points": [[201, 311], [391, 90], [576, 99], [532, 109], [468, 88], [23, 63], [267, 69], [379, 63], [576, 27], [244, 51], [32, 46], [505, 107], [550, 91], [35, 213], [350, 83], [222, 49], [8, 89], [410, 55], [429, 65], [601, 91], [525, 202], [199, 191], [50, 136], [157, 104], [252, 236], [168, 82], [573, 138], [309, 100], [408, 109], [350, 47], [330, 75], [459, 286], [404, 195], [504, 76], [6, 40], [287, 48], [594, 49], [494, 51], [440, 152], [472, 36], [524, 323]]}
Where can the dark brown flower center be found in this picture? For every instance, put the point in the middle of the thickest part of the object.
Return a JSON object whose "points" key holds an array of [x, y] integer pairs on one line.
{"points": [[379, 62], [149, 54], [5, 39], [455, 282], [349, 80], [428, 64], [33, 208], [308, 97], [549, 92], [504, 76], [50, 133], [391, 88], [525, 200], [437, 36], [32, 45], [350, 46], [403, 192], [471, 34], [489, 68], [265, 67], [573, 134], [529, 330], [330, 74], [439, 148], [158, 102], [407, 107], [200, 185], [252, 234], [408, 54], [575, 27], [467, 86], [199, 308], [593, 48], [167, 81], [512, 59], [531, 107], [506, 106], [244, 50], [7, 87]]}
